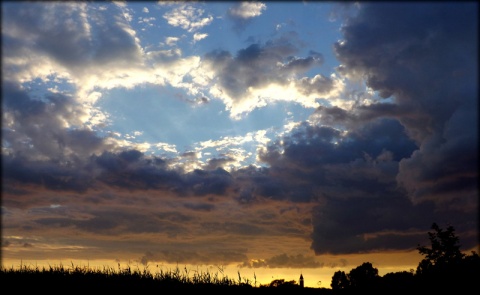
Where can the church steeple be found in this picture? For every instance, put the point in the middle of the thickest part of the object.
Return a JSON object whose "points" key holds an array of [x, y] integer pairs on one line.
{"points": [[301, 280]]}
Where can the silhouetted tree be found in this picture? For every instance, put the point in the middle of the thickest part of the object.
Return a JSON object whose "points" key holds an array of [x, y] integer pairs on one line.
{"points": [[363, 276], [445, 267], [340, 281], [443, 253]]}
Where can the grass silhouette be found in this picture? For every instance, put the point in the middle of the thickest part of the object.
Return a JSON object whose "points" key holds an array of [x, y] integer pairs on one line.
{"points": [[60, 279]]}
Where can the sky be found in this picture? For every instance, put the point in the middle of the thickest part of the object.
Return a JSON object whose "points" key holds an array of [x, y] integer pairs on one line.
{"points": [[266, 139]]}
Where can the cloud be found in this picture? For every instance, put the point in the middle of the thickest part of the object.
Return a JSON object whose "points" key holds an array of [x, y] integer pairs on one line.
{"points": [[59, 30], [188, 18], [264, 73], [242, 13], [425, 64], [417, 66], [198, 37], [72, 34], [365, 224], [313, 153], [101, 51], [284, 261], [76, 47], [352, 177], [47, 129], [246, 10]]}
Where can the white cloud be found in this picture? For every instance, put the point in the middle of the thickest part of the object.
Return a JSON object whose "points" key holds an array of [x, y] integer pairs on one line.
{"points": [[188, 18], [147, 20], [247, 10], [198, 36], [293, 90], [166, 147], [120, 3], [170, 41]]}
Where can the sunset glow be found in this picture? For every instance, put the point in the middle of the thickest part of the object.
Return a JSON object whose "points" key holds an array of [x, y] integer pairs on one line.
{"points": [[266, 139]]}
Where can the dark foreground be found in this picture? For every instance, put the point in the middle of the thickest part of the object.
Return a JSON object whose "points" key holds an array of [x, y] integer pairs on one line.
{"points": [[58, 283], [52, 282]]}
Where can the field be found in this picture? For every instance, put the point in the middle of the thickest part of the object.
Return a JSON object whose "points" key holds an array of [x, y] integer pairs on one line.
{"points": [[73, 279]]}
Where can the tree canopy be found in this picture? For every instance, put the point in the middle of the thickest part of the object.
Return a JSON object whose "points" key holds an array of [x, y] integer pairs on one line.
{"points": [[444, 251], [444, 267]]}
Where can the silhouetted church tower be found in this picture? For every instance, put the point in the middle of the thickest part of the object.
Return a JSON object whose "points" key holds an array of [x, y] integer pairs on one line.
{"points": [[301, 280]]}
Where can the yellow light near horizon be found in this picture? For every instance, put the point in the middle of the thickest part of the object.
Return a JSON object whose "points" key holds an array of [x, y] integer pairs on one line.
{"points": [[313, 277]]}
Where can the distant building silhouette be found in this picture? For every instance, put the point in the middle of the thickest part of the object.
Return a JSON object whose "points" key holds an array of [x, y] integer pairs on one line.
{"points": [[301, 280]]}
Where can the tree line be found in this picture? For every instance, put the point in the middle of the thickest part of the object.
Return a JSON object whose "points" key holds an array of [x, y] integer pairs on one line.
{"points": [[443, 268]]}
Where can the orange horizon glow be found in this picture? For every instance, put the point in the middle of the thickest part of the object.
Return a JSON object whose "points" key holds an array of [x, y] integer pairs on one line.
{"points": [[313, 277]]}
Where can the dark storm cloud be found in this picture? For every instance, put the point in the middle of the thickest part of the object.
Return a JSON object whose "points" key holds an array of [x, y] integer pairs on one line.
{"points": [[388, 223], [342, 225], [131, 169], [204, 182], [309, 146], [219, 163], [18, 172], [353, 178], [426, 57], [313, 161], [421, 53]]}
